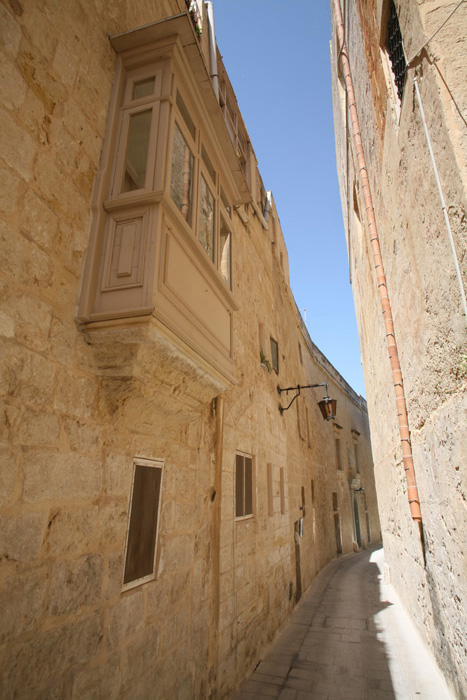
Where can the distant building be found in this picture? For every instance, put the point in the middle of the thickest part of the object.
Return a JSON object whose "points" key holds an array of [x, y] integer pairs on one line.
{"points": [[160, 517], [408, 66]]}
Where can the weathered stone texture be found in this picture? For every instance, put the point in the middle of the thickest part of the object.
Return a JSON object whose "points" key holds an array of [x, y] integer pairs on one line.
{"points": [[78, 407], [424, 295], [21, 535]]}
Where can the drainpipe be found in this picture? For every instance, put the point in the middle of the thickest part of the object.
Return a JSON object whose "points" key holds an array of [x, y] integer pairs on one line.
{"points": [[441, 196], [216, 500], [404, 431], [212, 49]]}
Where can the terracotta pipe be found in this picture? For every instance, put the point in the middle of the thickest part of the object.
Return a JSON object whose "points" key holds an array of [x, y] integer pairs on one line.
{"points": [[404, 431]]}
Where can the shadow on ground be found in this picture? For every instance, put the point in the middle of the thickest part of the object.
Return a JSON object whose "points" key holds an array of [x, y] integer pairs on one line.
{"points": [[333, 647]]}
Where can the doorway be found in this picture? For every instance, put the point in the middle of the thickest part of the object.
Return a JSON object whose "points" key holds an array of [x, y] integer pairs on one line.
{"points": [[356, 522], [337, 527], [298, 570]]}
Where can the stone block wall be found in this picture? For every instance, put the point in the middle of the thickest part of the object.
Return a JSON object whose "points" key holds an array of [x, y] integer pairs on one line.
{"points": [[424, 294], [70, 430]]}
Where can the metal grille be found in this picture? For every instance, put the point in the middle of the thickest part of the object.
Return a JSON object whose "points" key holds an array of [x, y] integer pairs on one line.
{"points": [[396, 50]]}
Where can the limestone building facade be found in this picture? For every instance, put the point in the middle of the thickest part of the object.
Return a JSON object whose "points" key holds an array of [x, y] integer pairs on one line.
{"points": [[400, 106], [159, 515]]}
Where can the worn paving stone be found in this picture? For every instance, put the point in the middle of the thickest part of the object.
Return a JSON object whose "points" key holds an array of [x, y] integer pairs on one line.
{"points": [[342, 653], [273, 669], [261, 688], [265, 678]]}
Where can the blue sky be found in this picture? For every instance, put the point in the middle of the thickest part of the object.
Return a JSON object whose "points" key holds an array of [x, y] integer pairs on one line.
{"points": [[277, 57]]}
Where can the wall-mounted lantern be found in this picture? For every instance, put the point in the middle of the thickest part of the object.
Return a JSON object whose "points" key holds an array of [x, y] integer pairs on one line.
{"points": [[327, 406]]}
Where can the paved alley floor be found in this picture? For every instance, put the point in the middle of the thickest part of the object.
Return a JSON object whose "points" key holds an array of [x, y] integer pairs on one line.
{"points": [[349, 639]]}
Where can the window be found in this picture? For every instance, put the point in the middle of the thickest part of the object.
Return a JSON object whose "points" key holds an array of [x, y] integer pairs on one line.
{"points": [[243, 486], [270, 490], [193, 175], [395, 49], [140, 554], [282, 490], [308, 437], [338, 453], [355, 436], [274, 355], [335, 505], [357, 463], [234, 122], [161, 240], [181, 181]]}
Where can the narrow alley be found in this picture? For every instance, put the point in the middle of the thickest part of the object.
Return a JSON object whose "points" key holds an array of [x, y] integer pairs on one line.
{"points": [[349, 639]]}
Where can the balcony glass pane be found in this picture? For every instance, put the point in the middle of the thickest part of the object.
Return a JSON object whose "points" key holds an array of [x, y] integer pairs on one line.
{"points": [[186, 115], [181, 180], [206, 218], [143, 88], [139, 131]]}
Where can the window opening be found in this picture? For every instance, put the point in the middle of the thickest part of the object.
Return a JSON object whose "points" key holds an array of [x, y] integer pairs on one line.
{"points": [[143, 523], [143, 88], [185, 115], [282, 490], [357, 463], [225, 202], [270, 491], [338, 453], [367, 519], [243, 486], [208, 164], [395, 50], [181, 181], [206, 219], [139, 131], [274, 355]]}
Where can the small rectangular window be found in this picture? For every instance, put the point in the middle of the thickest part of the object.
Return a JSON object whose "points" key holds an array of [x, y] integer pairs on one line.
{"points": [[335, 505], [243, 486], [143, 88], [338, 453], [275, 355], [140, 555], [282, 487], [270, 490], [357, 463]]}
